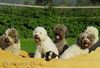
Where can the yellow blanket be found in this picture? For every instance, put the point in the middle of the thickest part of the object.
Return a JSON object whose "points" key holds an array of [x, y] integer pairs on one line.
{"points": [[8, 60]]}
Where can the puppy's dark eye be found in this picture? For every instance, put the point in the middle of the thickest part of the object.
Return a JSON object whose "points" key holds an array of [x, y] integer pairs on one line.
{"points": [[81, 38], [56, 34], [89, 37]]}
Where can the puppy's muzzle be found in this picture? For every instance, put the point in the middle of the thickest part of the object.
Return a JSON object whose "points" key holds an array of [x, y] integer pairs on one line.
{"points": [[86, 41], [7, 40], [37, 39], [57, 36]]}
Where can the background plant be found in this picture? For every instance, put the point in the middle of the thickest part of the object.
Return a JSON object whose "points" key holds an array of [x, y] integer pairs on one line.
{"points": [[25, 20]]}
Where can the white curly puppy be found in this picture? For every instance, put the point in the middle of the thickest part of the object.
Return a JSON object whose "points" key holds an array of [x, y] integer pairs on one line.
{"points": [[9, 41], [93, 30], [44, 43], [87, 41], [84, 42]]}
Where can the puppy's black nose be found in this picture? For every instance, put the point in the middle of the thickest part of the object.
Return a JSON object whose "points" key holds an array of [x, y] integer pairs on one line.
{"points": [[36, 36], [7, 40], [85, 41]]}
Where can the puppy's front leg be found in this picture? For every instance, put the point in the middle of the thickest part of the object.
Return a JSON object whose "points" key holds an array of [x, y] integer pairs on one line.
{"points": [[37, 54], [56, 57]]}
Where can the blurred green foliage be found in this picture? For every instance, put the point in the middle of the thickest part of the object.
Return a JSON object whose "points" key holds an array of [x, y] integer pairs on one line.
{"points": [[25, 20]]}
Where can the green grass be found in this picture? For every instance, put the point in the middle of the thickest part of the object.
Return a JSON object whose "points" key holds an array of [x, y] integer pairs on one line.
{"points": [[71, 41], [29, 45]]}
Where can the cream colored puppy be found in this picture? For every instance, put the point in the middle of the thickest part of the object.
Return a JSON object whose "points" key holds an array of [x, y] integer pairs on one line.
{"points": [[93, 30], [44, 43], [84, 42], [87, 41]]}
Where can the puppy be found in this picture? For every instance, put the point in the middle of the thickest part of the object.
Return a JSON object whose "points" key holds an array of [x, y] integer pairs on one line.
{"points": [[93, 30], [84, 42], [50, 55], [59, 32], [44, 43], [9, 41]]}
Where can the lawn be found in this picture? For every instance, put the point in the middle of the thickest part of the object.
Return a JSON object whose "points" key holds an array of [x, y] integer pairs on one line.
{"points": [[28, 45]]}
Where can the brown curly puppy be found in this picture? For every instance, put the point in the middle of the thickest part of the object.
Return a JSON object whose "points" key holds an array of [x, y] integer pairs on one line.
{"points": [[9, 41], [60, 31]]}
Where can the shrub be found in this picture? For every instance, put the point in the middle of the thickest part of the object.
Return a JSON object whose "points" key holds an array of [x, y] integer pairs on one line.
{"points": [[25, 20]]}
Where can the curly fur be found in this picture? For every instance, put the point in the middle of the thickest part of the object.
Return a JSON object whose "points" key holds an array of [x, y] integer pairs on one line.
{"points": [[60, 30], [80, 47], [93, 30], [9, 41], [50, 55], [44, 43], [86, 38]]}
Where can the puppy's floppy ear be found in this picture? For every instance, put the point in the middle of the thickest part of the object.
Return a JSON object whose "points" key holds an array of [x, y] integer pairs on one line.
{"points": [[79, 38], [54, 29], [66, 32], [16, 39], [54, 55], [91, 37]]}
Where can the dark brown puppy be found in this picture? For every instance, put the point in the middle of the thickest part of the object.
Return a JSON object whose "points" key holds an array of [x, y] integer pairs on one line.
{"points": [[60, 31]]}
